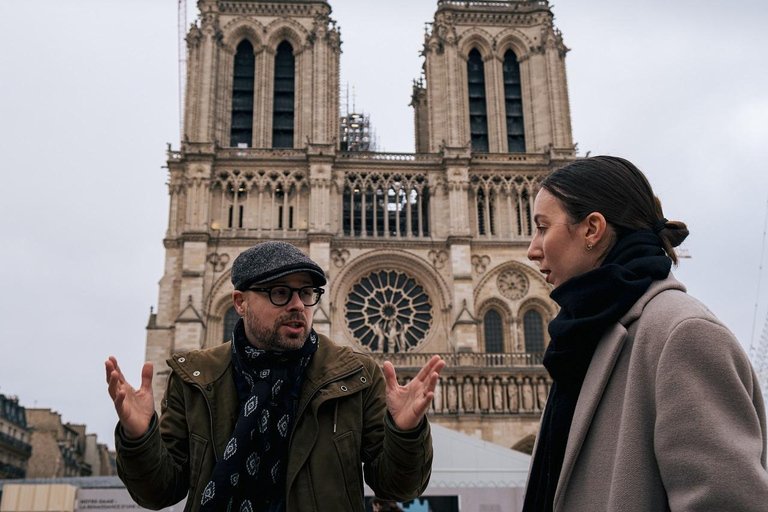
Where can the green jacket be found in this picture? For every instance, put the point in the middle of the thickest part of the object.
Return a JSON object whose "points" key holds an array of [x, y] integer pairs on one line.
{"points": [[341, 426]]}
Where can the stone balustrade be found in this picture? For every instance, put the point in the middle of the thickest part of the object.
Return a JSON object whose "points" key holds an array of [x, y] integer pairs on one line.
{"points": [[477, 383]]}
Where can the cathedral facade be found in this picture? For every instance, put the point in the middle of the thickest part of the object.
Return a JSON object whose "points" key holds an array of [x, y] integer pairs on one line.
{"points": [[425, 252]]}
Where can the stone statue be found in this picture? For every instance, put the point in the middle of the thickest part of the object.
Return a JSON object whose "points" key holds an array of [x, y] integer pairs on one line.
{"points": [[402, 341], [498, 398], [437, 402], [541, 393], [392, 337], [527, 395], [378, 338], [512, 394], [468, 395], [453, 396], [483, 395]]}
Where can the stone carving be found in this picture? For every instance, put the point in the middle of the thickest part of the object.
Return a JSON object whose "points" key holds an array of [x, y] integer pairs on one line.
{"points": [[542, 393], [484, 395], [453, 397], [218, 261], [339, 257], [437, 402], [480, 263], [498, 398], [512, 394], [527, 395], [513, 284], [438, 258], [468, 395]]}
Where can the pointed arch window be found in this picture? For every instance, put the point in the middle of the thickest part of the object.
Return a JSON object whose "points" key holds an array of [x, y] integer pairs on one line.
{"points": [[533, 327], [513, 98], [494, 335], [241, 131], [283, 109], [478, 113], [230, 319]]}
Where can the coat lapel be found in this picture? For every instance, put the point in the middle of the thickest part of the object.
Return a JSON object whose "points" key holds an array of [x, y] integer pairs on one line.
{"points": [[600, 370]]}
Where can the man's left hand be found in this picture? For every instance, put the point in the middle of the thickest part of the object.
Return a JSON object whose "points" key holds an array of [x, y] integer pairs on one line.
{"points": [[408, 404]]}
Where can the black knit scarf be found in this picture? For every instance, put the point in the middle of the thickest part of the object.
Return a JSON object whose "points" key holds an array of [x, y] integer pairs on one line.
{"points": [[590, 303], [252, 470]]}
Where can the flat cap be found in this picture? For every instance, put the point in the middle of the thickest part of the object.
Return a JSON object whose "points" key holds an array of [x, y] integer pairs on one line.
{"points": [[270, 260]]}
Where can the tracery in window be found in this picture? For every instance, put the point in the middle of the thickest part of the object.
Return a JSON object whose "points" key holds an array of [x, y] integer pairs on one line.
{"points": [[388, 311], [383, 205]]}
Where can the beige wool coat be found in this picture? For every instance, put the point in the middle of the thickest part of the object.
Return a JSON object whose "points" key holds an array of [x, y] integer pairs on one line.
{"points": [[670, 416]]}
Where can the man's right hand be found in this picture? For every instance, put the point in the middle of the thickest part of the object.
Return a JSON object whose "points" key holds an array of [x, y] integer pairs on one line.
{"points": [[134, 407]]}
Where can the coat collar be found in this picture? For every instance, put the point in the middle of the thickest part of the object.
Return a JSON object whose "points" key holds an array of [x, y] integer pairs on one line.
{"points": [[600, 370], [202, 367]]}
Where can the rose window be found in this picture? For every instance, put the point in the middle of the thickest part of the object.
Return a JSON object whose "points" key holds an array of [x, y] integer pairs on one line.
{"points": [[388, 311]]}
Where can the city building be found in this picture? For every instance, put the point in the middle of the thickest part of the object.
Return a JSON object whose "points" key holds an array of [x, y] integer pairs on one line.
{"points": [[425, 252], [58, 449], [15, 448]]}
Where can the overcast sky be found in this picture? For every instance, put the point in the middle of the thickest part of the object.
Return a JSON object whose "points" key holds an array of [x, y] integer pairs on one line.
{"points": [[89, 99]]}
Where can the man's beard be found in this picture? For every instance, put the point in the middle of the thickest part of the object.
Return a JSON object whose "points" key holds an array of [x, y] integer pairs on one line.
{"points": [[270, 338]]}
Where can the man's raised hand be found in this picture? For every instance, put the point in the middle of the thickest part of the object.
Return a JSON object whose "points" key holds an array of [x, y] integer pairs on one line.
{"points": [[134, 407], [408, 404]]}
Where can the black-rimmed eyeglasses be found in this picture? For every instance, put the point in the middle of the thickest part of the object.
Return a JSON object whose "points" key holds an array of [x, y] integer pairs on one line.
{"points": [[281, 295]]}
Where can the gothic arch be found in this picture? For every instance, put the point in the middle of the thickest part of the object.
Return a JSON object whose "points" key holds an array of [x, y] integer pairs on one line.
{"points": [[508, 265], [547, 311], [498, 304], [284, 29], [515, 40], [476, 38], [400, 260], [243, 28]]}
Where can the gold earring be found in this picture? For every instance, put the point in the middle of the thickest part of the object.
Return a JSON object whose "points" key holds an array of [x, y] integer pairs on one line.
{"points": [[589, 246]]}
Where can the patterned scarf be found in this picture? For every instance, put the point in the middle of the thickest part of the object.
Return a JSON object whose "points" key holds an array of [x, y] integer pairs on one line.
{"points": [[251, 473], [590, 303]]}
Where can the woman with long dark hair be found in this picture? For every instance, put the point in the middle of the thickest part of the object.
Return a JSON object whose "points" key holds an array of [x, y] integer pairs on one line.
{"points": [[654, 405]]}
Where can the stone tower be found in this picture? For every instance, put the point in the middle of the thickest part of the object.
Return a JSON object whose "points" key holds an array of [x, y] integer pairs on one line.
{"points": [[425, 252]]}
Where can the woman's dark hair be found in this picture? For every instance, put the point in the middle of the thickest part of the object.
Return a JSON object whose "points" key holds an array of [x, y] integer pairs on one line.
{"points": [[619, 191]]}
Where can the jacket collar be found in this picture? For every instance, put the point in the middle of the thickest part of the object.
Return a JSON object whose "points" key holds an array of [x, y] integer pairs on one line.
{"points": [[202, 367], [600, 370]]}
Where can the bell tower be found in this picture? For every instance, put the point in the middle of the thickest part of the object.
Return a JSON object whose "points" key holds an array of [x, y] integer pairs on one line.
{"points": [[496, 79], [262, 89]]}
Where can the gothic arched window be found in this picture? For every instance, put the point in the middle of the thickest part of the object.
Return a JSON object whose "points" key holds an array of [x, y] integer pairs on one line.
{"points": [[494, 335], [486, 207], [513, 98], [533, 326], [230, 319], [283, 109], [478, 115], [241, 131]]}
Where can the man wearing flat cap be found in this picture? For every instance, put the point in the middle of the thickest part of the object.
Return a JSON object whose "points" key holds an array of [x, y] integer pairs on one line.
{"points": [[280, 419]]}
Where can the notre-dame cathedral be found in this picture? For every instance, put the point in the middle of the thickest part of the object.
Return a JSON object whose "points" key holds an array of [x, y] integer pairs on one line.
{"points": [[425, 252]]}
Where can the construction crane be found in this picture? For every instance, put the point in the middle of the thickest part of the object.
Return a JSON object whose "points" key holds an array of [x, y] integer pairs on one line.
{"points": [[182, 27]]}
